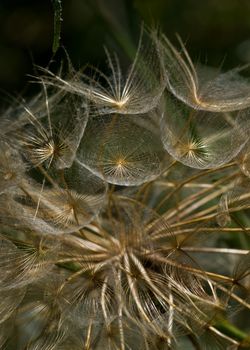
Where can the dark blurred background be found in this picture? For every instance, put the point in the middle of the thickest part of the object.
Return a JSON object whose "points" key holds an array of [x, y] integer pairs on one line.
{"points": [[215, 31]]}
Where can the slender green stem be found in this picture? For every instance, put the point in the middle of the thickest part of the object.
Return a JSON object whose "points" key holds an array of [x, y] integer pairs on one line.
{"points": [[57, 7], [230, 330]]}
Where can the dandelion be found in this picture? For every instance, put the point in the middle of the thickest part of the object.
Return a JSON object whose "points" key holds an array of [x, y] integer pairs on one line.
{"points": [[122, 152], [52, 207], [224, 92], [124, 212], [202, 139], [136, 92], [52, 132]]}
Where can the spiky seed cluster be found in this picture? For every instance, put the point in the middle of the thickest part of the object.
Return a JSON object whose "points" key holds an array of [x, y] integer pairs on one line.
{"points": [[150, 263]]}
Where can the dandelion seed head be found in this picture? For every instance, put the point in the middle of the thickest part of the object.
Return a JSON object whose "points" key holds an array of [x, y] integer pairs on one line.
{"points": [[121, 197]]}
